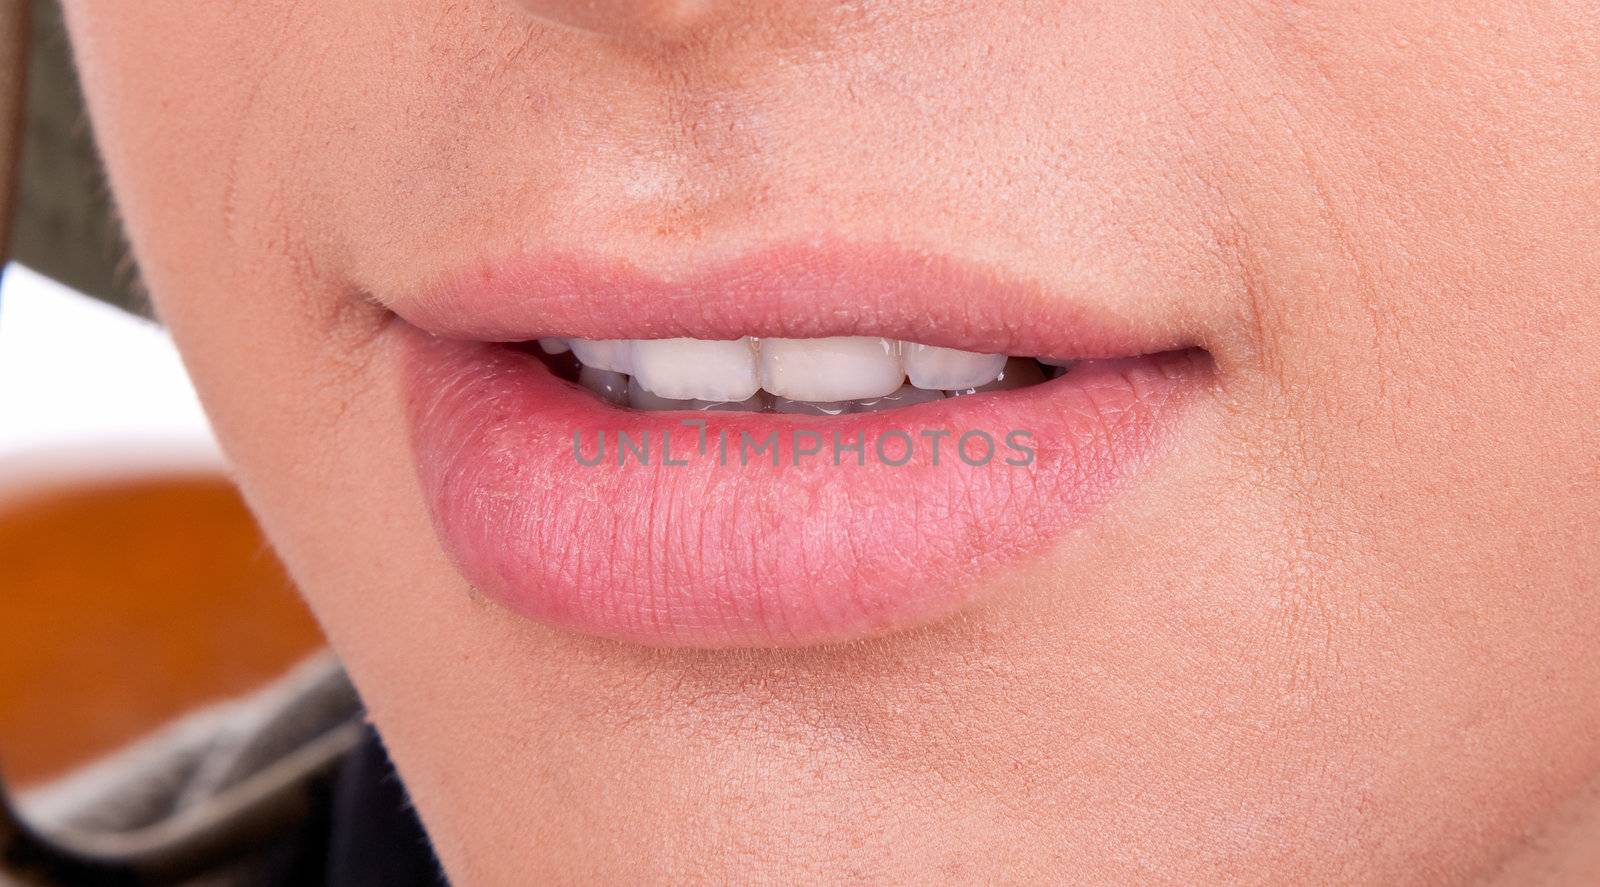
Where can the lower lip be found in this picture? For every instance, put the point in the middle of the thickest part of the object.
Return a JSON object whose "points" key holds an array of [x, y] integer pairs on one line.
{"points": [[721, 552]]}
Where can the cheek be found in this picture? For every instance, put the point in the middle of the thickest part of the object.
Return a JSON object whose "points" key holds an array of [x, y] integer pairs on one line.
{"points": [[190, 105], [208, 133]]}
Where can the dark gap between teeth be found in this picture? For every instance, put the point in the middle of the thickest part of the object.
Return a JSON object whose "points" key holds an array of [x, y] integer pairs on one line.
{"points": [[564, 365]]}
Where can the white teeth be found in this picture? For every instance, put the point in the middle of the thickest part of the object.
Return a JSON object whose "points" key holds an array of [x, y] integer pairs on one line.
{"points": [[641, 398], [906, 396], [1019, 372], [837, 368], [696, 369], [604, 354], [610, 386], [820, 377], [751, 405], [929, 366], [809, 408]]}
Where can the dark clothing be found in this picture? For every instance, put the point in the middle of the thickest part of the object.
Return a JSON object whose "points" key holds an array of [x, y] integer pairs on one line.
{"points": [[365, 834], [375, 839], [289, 786]]}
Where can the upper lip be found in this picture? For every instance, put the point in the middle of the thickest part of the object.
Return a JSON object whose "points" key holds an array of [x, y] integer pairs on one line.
{"points": [[803, 290]]}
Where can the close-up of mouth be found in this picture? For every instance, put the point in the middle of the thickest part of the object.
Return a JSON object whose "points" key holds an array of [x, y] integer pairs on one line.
{"points": [[798, 446], [800, 442]]}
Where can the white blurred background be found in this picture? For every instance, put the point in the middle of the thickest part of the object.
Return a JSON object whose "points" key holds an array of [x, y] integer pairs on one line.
{"points": [[85, 386]]}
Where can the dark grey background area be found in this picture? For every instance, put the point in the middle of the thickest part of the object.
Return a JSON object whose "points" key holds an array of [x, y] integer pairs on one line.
{"points": [[65, 225]]}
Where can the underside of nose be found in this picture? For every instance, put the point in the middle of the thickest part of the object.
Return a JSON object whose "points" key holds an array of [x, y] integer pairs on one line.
{"points": [[625, 18]]}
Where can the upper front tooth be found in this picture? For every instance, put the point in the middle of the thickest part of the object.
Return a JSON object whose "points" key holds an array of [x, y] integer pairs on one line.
{"points": [[554, 346], [907, 396], [604, 354], [837, 368], [641, 399], [1019, 372], [696, 369], [810, 408], [755, 404], [929, 366]]}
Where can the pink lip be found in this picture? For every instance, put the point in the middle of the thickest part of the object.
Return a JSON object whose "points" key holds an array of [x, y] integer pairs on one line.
{"points": [[724, 551], [793, 291]]}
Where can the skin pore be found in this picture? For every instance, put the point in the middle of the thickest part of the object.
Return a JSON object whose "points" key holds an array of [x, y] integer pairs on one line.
{"points": [[1346, 629]]}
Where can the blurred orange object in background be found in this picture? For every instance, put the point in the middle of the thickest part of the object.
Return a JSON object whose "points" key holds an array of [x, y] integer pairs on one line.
{"points": [[126, 601]]}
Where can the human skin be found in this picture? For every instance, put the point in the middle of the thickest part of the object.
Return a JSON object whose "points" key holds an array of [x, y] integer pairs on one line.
{"points": [[1345, 630]]}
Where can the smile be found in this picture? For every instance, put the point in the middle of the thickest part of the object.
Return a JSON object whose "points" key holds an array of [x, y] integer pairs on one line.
{"points": [[808, 502], [823, 377]]}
